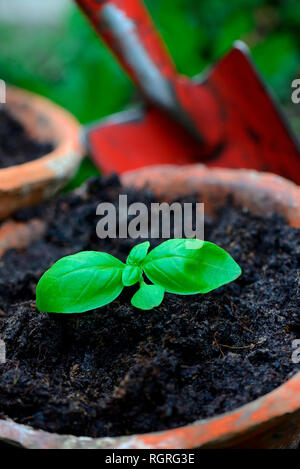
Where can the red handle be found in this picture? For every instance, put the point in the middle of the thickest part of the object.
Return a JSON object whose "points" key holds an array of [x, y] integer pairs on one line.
{"points": [[127, 28]]}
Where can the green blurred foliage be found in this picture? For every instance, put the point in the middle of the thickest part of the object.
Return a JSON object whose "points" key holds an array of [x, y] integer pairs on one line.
{"points": [[68, 63], [86, 170]]}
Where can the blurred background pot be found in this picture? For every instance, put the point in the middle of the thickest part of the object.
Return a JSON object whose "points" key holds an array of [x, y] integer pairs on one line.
{"points": [[272, 421], [26, 184]]}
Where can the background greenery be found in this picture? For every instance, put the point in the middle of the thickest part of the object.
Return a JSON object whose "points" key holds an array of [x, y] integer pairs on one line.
{"points": [[68, 63]]}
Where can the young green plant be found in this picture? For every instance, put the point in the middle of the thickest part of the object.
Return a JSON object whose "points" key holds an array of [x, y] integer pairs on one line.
{"points": [[90, 279]]}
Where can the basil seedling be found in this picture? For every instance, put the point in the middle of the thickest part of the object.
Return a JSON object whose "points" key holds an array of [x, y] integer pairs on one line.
{"points": [[89, 280]]}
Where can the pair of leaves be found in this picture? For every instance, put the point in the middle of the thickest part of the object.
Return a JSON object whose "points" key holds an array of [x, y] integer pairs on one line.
{"points": [[148, 296], [89, 280]]}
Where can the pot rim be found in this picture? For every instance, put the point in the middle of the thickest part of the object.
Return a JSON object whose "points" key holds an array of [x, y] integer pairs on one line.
{"points": [[284, 400], [270, 408], [26, 184], [65, 126]]}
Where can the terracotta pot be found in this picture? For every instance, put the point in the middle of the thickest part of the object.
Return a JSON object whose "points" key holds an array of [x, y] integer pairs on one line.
{"points": [[273, 421], [26, 184]]}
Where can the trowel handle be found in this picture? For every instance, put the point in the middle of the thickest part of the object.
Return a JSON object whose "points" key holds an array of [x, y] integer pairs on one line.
{"points": [[127, 28]]}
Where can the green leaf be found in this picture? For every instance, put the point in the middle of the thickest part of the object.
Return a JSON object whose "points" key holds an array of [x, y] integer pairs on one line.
{"points": [[138, 253], [131, 275], [187, 267], [79, 283], [148, 296]]}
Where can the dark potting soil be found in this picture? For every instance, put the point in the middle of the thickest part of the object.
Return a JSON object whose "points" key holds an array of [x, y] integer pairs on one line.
{"points": [[118, 370], [16, 146]]}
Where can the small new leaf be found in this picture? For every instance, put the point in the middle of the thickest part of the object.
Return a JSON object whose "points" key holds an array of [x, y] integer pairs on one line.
{"points": [[131, 275], [80, 283], [138, 253], [148, 296]]}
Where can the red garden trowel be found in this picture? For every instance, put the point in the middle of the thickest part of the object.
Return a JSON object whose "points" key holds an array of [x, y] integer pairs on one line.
{"points": [[224, 118]]}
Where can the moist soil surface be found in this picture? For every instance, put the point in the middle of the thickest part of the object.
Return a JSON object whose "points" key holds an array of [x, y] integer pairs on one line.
{"points": [[118, 370], [16, 146]]}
